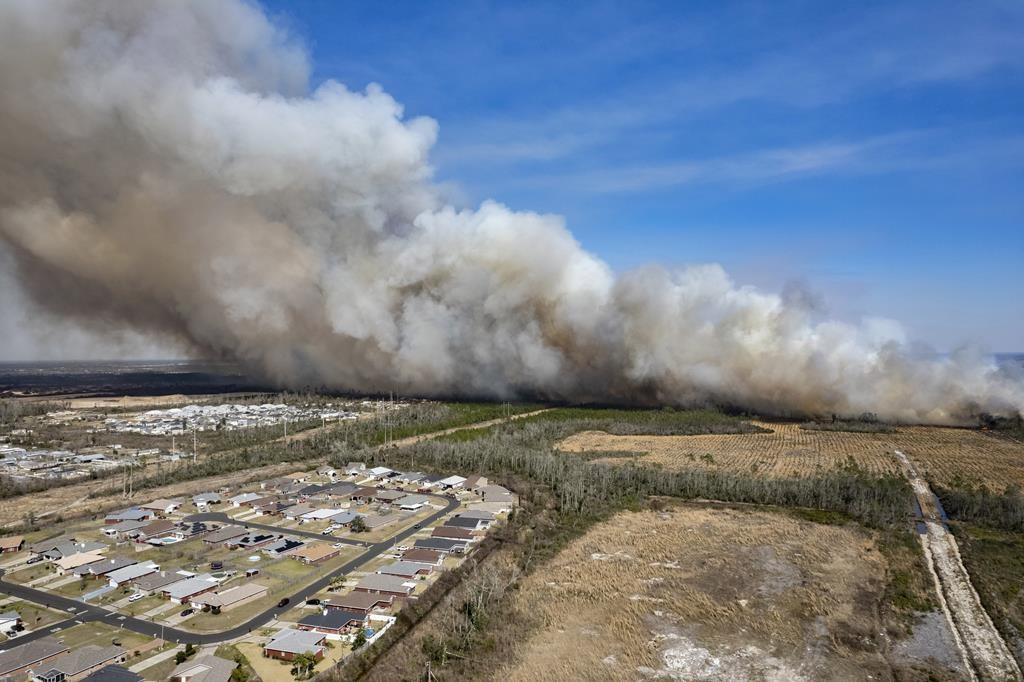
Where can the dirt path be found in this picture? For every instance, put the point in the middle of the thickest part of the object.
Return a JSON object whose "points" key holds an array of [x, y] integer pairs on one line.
{"points": [[985, 654], [412, 440]]}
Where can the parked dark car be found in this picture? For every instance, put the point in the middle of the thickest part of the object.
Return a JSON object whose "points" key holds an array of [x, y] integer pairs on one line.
{"points": [[283, 602], [187, 612], [313, 602], [34, 560], [216, 565]]}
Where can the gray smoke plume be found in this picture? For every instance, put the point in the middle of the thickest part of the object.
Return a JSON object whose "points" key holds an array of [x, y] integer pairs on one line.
{"points": [[164, 167]]}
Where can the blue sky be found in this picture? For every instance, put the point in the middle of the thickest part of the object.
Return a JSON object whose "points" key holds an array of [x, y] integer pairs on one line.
{"points": [[873, 152]]}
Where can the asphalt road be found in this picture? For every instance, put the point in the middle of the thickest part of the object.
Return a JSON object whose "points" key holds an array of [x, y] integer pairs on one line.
{"points": [[86, 613]]}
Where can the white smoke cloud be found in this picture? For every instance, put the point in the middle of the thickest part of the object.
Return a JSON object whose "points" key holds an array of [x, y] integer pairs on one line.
{"points": [[165, 166]]}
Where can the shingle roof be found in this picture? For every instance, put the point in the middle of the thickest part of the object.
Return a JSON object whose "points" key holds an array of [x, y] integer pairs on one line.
{"points": [[358, 600], [29, 653], [225, 533], [81, 659], [113, 673], [296, 641], [440, 544], [154, 581], [206, 668], [404, 568], [332, 619], [385, 583]]}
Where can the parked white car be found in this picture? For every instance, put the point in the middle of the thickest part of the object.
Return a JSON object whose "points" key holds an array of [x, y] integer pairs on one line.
{"points": [[136, 597]]}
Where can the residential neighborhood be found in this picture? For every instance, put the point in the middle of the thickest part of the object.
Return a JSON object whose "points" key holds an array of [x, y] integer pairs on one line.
{"points": [[355, 543]]}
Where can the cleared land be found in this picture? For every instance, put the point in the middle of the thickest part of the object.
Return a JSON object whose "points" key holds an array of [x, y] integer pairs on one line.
{"points": [[945, 455], [714, 594]]}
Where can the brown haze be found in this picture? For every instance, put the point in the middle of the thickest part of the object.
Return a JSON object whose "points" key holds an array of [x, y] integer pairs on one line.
{"points": [[165, 168]]}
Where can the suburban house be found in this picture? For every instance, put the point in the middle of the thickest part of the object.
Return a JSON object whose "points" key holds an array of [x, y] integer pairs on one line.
{"points": [[54, 549], [11, 543], [252, 541], [363, 602], [69, 563], [272, 508], [77, 664], [184, 591], [190, 529], [423, 556], [478, 514], [125, 528], [344, 518], [288, 644], [298, 477], [327, 472], [224, 534], [412, 502], [133, 514], [162, 506], [453, 533], [153, 582], [332, 622], [205, 668], [9, 621], [379, 472], [113, 673], [412, 476], [475, 481], [281, 546], [204, 500], [390, 496], [228, 599], [314, 553], [355, 468], [451, 482], [30, 656], [244, 498], [495, 493], [385, 584], [406, 569], [468, 523], [97, 568], [127, 574], [156, 529], [442, 545], [363, 494], [296, 511], [319, 514]]}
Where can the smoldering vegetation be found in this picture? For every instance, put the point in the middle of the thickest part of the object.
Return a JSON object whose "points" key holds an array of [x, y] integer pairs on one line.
{"points": [[166, 167]]}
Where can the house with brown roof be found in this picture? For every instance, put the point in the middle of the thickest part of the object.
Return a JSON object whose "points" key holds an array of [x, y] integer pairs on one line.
{"points": [[314, 553], [406, 569], [453, 533], [225, 600], [423, 556], [157, 529], [12, 543], [364, 602]]}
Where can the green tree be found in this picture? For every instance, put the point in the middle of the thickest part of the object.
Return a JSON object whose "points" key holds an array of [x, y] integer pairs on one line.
{"points": [[303, 664], [358, 525], [360, 640]]}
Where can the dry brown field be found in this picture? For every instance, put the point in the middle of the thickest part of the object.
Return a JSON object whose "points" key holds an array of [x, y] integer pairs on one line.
{"points": [[711, 594], [943, 454]]}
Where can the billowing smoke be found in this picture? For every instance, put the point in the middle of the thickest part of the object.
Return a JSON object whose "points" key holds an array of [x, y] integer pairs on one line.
{"points": [[164, 167]]}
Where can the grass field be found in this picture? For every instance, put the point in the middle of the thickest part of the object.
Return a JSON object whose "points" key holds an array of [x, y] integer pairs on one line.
{"points": [[947, 456], [709, 594]]}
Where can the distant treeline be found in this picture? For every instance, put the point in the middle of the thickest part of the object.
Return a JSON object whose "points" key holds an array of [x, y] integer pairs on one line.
{"points": [[525, 450], [981, 506]]}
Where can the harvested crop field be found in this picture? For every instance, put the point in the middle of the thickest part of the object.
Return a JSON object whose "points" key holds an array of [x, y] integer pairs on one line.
{"points": [[713, 594], [945, 455]]}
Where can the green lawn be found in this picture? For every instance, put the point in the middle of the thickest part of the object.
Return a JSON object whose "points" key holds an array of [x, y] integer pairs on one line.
{"points": [[35, 616]]}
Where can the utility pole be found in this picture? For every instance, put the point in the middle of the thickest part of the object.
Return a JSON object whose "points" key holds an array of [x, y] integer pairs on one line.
{"points": [[195, 446]]}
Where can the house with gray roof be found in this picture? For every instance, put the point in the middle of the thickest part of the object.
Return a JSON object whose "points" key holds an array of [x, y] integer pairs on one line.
{"points": [[205, 668], [78, 663], [113, 673], [183, 591], [156, 581], [224, 534], [288, 644], [203, 500], [100, 568], [30, 656], [130, 573], [442, 545], [376, 583], [125, 528], [406, 569]]}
